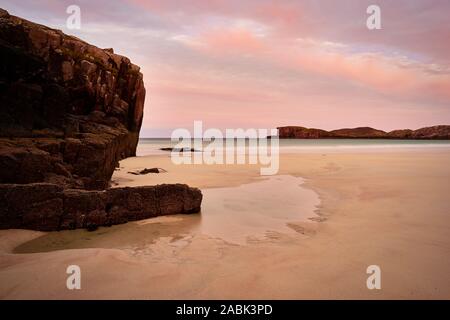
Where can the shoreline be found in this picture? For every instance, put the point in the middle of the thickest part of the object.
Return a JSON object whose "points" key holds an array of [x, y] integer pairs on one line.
{"points": [[379, 209], [151, 149]]}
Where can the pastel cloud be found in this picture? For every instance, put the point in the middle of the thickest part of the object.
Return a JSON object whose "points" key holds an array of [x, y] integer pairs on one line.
{"points": [[387, 74], [230, 41], [376, 71]]}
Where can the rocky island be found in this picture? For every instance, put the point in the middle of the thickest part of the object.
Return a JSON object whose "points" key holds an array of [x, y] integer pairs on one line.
{"points": [[69, 112], [441, 132]]}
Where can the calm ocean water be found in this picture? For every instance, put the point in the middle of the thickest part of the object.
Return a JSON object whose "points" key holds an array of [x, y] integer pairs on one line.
{"points": [[151, 146]]}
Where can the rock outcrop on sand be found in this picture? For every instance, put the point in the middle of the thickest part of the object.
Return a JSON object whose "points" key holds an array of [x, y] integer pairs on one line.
{"points": [[428, 133], [69, 112], [46, 206]]}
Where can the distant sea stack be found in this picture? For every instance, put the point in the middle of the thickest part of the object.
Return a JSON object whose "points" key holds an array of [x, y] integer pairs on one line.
{"points": [[429, 133], [69, 112]]}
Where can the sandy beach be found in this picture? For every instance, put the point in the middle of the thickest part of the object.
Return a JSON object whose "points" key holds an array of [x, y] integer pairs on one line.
{"points": [[357, 209]]}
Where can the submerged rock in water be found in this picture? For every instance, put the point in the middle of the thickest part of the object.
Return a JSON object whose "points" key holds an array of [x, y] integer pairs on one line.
{"points": [[147, 171], [179, 149]]}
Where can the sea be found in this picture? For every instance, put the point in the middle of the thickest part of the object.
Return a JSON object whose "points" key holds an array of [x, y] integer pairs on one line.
{"points": [[152, 146]]}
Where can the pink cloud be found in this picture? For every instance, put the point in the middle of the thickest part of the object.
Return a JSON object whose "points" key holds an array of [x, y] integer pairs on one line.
{"points": [[230, 41], [374, 70]]}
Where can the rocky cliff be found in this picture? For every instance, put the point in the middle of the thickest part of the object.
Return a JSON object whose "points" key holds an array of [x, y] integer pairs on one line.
{"points": [[430, 133], [69, 111]]}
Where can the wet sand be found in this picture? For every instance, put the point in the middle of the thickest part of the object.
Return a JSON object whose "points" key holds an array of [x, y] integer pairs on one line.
{"points": [[235, 215], [389, 209]]}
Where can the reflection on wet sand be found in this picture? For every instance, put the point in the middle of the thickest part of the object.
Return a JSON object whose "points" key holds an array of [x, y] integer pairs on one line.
{"points": [[253, 211]]}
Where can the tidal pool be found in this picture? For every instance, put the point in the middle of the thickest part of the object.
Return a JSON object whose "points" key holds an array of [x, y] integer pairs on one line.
{"points": [[236, 215]]}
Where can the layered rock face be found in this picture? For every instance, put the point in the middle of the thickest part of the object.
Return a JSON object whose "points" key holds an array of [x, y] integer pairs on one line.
{"points": [[69, 112], [430, 133]]}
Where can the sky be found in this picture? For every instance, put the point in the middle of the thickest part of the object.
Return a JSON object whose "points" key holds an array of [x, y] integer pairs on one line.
{"points": [[265, 64]]}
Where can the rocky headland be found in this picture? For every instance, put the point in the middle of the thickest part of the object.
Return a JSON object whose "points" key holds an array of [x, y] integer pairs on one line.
{"points": [[441, 132], [69, 112]]}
